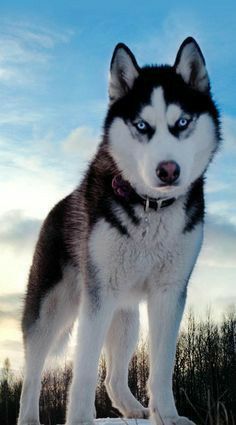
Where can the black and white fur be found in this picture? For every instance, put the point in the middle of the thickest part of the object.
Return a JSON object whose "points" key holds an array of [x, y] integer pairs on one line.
{"points": [[99, 255]]}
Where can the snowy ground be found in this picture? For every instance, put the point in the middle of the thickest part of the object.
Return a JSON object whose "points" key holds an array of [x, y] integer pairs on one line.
{"points": [[121, 421]]}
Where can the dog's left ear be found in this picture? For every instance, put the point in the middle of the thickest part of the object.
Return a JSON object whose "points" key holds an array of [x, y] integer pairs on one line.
{"points": [[123, 72], [190, 64]]}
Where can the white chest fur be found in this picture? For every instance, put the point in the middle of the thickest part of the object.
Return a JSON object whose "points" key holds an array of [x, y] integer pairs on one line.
{"points": [[126, 262]]}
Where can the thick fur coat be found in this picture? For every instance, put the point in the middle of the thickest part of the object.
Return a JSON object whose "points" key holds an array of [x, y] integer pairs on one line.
{"points": [[105, 248]]}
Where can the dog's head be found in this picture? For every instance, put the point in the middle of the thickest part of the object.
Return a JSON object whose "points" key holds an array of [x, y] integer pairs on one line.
{"points": [[162, 125]]}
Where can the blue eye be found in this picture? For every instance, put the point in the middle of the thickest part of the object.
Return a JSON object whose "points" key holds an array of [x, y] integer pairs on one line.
{"points": [[144, 128], [141, 126], [182, 123]]}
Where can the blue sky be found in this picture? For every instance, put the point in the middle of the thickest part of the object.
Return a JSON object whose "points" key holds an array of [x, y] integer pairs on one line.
{"points": [[54, 62]]}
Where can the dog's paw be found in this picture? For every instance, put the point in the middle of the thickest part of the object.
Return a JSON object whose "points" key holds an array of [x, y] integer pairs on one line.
{"points": [[85, 422], [157, 419], [139, 413], [179, 420], [28, 423]]}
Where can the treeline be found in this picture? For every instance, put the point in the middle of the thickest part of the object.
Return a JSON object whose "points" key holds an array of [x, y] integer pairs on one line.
{"points": [[204, 378]]}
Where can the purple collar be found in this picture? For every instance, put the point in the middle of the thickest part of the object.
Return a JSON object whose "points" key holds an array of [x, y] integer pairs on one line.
{"points": [[123, 190]]}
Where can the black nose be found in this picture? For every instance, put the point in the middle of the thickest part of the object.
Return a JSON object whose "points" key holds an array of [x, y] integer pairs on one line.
{"points": [[168, 171]]}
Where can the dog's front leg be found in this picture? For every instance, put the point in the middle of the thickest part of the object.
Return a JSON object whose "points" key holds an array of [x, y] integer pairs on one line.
{"points": [[94, 320], [165, 309]]}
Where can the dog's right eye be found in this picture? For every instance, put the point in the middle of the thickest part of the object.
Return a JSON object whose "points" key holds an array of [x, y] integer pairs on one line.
{"points": [[142, 126]]}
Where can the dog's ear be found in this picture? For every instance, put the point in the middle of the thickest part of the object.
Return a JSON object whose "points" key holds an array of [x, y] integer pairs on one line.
{"points": [[190, 64], [123, 72]]}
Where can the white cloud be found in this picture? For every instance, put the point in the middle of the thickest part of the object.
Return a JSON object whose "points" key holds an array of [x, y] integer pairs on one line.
{"points": [[220, 243], [214, 186], [213, 279], [10, 300], [14, 50], [82, 141], [17, 230], [21, 117], [221, 177], [38, 173], [224, 208], [6, 74], [43, 35], [229, 133], [25, 51]]}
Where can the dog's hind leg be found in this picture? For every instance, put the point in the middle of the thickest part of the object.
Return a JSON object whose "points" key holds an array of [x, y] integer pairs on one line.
{"points": [[56, 317], [37, 346], [119, 347]]}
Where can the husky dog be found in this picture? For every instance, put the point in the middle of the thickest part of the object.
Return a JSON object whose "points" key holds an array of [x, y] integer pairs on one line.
{"points": [[131, 231]]}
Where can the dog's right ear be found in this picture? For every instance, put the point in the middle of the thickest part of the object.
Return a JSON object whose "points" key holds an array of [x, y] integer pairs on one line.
{"points": [[123, 72]]}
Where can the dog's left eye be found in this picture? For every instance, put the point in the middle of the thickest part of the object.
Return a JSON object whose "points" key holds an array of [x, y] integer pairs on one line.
{"points": [[142, 126], [182, 123]]}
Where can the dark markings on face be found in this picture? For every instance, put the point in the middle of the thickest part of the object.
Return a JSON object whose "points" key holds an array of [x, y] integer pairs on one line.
{"points": [[176, 91], [184, 126], [140, 129], [141, 137]]}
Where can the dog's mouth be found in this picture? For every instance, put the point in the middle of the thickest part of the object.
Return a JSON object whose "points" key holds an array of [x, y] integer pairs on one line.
{"points": [[162, 190], [167, 186]]}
